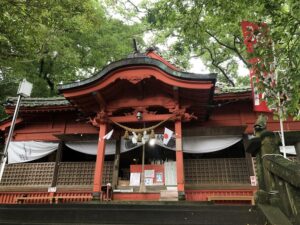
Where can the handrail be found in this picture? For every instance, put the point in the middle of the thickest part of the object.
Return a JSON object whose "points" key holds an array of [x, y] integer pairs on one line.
{"points": [[283, 168]]}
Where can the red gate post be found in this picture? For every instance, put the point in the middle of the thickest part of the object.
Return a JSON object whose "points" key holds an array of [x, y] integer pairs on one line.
{"points": [[179, 160], [99, 162]]}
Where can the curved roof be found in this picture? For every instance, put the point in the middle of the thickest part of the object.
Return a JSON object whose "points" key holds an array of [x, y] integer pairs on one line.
{"points": [[140, 61]]}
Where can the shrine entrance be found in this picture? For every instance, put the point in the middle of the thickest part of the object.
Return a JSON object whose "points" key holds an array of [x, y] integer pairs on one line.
{"points": [[157, 172], [138, 96]]}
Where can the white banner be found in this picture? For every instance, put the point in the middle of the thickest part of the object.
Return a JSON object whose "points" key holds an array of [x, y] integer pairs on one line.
{"points": [[91, 147], [25, 151], [206, 144]]}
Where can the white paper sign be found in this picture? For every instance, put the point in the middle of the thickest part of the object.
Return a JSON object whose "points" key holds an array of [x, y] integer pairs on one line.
{"points": [[253, 180], [159, 177], [135, 179], [148, 181], [290, 149], [149, 173], [51, 189]]}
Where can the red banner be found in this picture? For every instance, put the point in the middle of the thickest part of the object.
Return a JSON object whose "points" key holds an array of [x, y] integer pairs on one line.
{"points": [[251, 32]]}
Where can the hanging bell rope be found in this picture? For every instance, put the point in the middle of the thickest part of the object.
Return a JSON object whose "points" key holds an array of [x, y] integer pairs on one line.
{"points": [[141, 130]]}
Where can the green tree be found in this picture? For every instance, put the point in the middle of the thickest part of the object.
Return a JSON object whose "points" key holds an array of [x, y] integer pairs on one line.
{"points": [[211, 30], [49, 42]]}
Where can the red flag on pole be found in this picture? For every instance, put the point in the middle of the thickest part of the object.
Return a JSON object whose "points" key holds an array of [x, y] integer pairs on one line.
{"points": [[250, 32]]}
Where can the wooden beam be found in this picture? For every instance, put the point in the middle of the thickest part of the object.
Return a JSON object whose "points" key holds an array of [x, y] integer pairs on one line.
{"points": [[116, 164], [6, 124], [146, 118], [99, 167], [135, 74], [57, 162], [176, 94], [125, 102], [179, 159], [99, 98]]}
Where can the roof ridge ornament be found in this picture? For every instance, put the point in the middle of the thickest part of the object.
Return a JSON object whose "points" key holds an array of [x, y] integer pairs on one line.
{"points": [[135, 48], [136, 52]]}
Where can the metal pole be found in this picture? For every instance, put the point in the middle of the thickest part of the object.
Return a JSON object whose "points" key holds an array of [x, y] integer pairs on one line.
{"points": [[282, 132], [11, 131], [142, 186], [279, 103]]}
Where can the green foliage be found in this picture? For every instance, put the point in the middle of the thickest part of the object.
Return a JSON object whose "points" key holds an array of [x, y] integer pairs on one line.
{"points": [[211, 30], [278, 50], [57, 41]]}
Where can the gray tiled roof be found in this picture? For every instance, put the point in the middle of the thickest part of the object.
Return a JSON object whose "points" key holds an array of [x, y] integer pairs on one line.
{"points": [[61, 101], [140, 61], [37, 102], [231, 90], [5, 118]]}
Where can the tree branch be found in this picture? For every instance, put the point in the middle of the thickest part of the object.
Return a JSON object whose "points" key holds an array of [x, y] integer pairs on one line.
{"points": [[235, 38], [217, 65], [234, 49], [134, 5]]}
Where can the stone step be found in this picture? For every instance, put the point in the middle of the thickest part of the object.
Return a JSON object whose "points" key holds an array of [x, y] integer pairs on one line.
{"points": [[158, 213], [168, 195]]}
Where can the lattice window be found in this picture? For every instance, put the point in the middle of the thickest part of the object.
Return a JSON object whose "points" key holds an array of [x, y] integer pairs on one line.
{"points": [[28, 174], [217, 171], [82, 173]]}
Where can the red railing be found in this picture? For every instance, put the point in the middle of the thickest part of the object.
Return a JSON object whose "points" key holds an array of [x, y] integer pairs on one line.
{"points": [[203, 195], [43, 198]]}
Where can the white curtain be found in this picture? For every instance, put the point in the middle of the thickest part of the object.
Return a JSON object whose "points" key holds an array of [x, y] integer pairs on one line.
{"points": [[127, 145], [25, 151], [193, 144], [90, 147], [206, 144]]}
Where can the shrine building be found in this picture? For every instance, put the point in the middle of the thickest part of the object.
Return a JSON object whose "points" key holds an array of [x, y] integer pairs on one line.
{"points": [[93, 142]]}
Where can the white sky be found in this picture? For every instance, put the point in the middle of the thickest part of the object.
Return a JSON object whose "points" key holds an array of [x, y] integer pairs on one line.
{"points": [[197, 66]]}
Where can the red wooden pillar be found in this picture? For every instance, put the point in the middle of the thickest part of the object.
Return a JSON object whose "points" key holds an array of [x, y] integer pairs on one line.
{"points": [[99, 161], [179, 159]]}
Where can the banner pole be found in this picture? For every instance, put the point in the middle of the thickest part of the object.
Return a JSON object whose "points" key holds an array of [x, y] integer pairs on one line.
{"points": [[11, 131], [280, 107], [281, 128]]}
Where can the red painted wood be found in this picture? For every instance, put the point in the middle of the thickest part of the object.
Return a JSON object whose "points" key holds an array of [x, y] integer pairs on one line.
{"points": [[146, 117], [241, 114], [202, 195], [45, 127], [156, 168], [5, 124], [10, 197], [158, 100], [100, 159], [179, 156], [154, 55], [136, 196], [35, 137]]}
